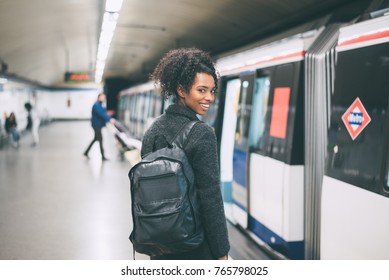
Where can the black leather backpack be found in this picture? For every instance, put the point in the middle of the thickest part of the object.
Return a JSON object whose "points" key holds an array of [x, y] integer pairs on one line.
{"points": [[164, 204]]}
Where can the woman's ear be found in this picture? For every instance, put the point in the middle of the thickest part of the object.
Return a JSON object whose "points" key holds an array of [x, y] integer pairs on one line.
{"points": [[181, 91]]}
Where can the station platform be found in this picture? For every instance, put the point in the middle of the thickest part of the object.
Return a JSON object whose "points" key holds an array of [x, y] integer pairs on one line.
{"points": [[57, 205]]}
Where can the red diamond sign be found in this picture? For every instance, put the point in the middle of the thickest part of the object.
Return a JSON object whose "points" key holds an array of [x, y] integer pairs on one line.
{"points": [[356, 118]]}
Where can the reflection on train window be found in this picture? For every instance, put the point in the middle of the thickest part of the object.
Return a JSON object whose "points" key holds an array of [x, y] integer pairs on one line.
{"points": [[243, 116], [260, 100]]}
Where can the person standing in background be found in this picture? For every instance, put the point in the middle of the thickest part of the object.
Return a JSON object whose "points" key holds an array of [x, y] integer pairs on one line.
{"points": [[99, 119], [11, 128], [33, 121]]}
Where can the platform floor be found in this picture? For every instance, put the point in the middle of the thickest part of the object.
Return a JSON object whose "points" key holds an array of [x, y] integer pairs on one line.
{"points": [[57, 205]]}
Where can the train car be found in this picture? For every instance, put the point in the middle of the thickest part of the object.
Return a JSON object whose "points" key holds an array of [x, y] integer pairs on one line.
{"points": [[262, 142], [302, 127], [281, 114], [355, 194], [278, 117], [139, 106]]}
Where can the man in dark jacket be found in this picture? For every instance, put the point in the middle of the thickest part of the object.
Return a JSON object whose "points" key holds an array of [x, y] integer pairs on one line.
{"points": [[99, 119]]}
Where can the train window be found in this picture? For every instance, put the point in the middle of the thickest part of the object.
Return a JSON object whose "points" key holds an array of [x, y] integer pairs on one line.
{"points": [[360, 159], [244, 113], [283, 138], [258, 117], [121, 107]]}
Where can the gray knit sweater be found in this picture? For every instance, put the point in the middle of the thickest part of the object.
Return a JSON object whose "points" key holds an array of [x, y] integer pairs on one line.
{"points": [[201, 150]]}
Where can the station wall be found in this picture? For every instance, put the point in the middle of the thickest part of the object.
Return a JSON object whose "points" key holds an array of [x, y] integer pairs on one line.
{"points": [[51, 104]]}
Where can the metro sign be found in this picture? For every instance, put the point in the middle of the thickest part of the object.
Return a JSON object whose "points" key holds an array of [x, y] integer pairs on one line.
{"points": [[356, 118]]}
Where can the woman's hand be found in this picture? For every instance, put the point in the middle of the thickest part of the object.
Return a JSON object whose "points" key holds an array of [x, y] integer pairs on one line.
{"points": [[223, 258]]}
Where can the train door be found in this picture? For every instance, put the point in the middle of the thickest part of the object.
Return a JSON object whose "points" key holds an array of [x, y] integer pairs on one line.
{"points": [[257, 197], [227, 142], [355, 192], [276, 177], [240, 188]]}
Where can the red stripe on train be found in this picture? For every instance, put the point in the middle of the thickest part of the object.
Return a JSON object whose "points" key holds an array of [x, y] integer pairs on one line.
{"points": [[364, 38]]}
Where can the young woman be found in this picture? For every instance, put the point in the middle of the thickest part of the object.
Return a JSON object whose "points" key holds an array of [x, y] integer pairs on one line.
{"points": [[189, 76]]}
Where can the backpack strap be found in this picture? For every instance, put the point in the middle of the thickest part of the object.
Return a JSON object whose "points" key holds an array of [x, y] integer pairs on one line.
{"points": [[180, 139]]}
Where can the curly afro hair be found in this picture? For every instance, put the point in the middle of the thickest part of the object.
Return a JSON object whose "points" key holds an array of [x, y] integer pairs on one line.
{"points": [[179, 68]]}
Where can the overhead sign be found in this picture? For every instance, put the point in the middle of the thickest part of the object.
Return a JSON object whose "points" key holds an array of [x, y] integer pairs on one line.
{"points": [[356, 118], [78, 77]]}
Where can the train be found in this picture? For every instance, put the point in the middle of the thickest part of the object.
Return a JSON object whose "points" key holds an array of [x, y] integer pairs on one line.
{"points": [[302, 125]]}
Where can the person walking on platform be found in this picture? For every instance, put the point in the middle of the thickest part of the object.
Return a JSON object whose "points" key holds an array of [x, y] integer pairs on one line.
{"points": [[190, 78], [99, 119]]}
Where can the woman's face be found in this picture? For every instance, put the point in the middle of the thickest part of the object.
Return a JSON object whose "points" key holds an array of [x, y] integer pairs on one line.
{"points": [[200, 95]]}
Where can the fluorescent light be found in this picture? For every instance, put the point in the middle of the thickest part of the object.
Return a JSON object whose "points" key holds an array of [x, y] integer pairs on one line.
{"points": [[108, 27], [113, 5], [109, 21]]}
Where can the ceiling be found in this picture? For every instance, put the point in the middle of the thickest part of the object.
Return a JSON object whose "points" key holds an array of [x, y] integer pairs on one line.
{"points": [[42, 39]]}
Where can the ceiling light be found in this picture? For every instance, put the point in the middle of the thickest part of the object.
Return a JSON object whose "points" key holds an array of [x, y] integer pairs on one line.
{"points": [[113, 5], [111, 15]]}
